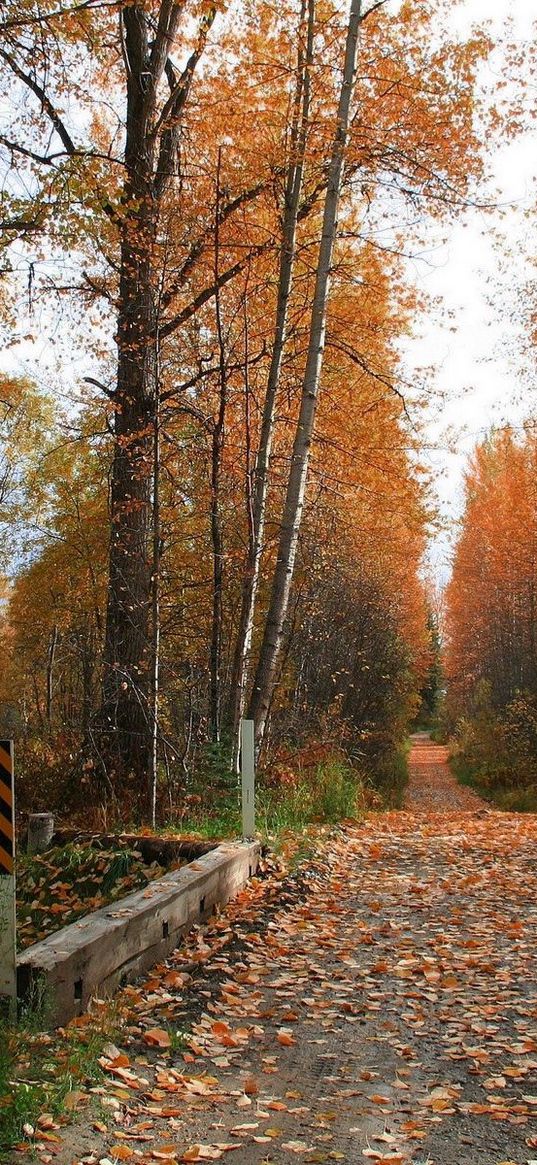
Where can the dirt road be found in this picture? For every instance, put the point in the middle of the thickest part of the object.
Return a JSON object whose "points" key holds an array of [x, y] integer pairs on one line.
{"points": [[382, 1008]]}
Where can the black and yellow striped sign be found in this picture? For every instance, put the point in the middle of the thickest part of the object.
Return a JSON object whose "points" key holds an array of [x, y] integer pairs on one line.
{"points": [[7, 824]]}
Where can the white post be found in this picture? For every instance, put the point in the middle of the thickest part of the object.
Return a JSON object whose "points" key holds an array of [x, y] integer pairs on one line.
{"points": [[248, 778], [8, 954]]}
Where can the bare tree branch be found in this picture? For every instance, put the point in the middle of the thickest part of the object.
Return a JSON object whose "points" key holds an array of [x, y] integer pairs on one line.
{"points": [[204, 239], [209, 292], [46, 103], [68, 10]]}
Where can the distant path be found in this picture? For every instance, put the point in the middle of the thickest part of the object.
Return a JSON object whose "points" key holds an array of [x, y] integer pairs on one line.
{"points": [[432, 786]]}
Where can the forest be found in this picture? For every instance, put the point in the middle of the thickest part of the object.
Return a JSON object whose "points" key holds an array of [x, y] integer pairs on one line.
{"points": [[215, 502], [268, 512], [224, 511]]}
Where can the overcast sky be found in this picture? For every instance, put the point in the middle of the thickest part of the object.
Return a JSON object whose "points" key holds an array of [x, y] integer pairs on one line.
{"points": [[474, 338]]}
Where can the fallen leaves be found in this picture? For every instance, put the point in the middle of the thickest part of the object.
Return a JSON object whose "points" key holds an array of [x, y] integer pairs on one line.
{"points": [[389, 993], [285, 1038], [66, 882], [158, 1038]]}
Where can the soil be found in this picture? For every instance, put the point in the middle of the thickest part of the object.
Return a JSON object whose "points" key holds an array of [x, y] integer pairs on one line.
{"points": [[380, 1005]]}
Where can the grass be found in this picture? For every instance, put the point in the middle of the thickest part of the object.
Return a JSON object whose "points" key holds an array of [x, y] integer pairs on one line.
{"points": [[331, 792], [512, 799], [39, 1073], [21, 1107]]}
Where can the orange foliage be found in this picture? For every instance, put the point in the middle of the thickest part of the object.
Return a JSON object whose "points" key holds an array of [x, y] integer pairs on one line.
{"points": [[491, 600], [357, 641]]}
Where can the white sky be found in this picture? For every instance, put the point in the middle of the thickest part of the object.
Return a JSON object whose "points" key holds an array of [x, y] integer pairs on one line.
{"points": [[473, 339]]}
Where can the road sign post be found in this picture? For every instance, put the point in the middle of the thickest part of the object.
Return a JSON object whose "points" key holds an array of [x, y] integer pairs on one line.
{"points": [[248, 778], [8, 955]]}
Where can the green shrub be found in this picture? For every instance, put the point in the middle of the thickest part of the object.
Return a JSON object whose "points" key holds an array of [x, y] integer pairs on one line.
{"points": [[496, 751], [332, 792], [388, 776], [313, 786]]}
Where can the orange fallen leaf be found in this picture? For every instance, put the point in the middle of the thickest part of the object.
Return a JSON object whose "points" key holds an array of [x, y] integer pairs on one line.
{"points": [[157, 1037], [75, 1099], [250, 1086], [219, 1028], [202, 1153], [285, 1038]]}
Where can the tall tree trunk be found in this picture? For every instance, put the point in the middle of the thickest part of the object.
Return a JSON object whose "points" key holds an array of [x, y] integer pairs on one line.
{"points": [[50, 671], [126, 679], [295, 175], [246, 614], [155, 610], [126, 675], [217, 445], [37, 701], [87, 665], [215, 650], [294, 503], [151, 159]]}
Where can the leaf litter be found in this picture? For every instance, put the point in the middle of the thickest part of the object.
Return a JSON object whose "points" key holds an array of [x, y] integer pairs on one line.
{"points": [[65, 883], [378, 1005]]}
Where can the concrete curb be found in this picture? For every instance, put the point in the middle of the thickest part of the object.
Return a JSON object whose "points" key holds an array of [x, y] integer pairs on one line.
{"points": [[113, 945]]}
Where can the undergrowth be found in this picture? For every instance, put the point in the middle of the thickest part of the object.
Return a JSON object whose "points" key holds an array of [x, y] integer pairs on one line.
{"points": [[495, 751], [517, 799], [40, 1074], [314, 785], [60, 885], [290, 796], [389, 776]]}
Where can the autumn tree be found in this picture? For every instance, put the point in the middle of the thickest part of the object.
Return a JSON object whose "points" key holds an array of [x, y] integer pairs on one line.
{"points": [[491, 657], [491, 599], [54, 624], [197, 241]]}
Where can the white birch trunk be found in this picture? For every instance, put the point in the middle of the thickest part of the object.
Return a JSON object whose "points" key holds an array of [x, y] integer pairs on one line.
{"points": [[293, 193], [296, 489]]}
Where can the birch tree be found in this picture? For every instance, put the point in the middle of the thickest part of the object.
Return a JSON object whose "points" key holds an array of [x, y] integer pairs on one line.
{"points": [[258, 500], [272, 642]]}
